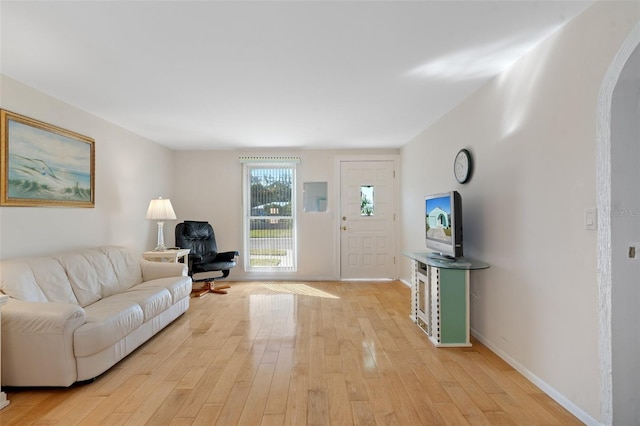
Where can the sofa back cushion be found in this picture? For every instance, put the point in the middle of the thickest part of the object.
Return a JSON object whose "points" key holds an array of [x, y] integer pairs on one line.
{"points": [[86, 274], [101, 272], [126, 267], [36, 279], [81, 278]]}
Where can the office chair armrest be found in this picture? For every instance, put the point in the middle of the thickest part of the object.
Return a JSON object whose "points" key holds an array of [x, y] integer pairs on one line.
{"points": [[227, 255]]}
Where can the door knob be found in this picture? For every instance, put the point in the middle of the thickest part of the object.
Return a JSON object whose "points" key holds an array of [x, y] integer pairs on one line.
{"points": [[344, 228]]}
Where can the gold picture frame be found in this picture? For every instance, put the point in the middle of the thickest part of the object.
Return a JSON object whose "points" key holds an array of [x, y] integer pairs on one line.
{"points": [[44, 165]]}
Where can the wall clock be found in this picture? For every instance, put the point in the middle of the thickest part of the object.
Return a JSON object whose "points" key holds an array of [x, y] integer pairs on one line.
{"points": [[462, 166]]}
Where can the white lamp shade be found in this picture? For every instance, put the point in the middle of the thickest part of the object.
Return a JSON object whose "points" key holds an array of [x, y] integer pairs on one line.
{"points": [[160, 209]]}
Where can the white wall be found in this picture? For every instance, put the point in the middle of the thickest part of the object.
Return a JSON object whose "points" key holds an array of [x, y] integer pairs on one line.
{"points": [[130, 170], [209, 187], [532, 135]]}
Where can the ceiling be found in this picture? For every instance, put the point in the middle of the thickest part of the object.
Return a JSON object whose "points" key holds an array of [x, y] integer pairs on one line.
{"points": [[267, 74]]}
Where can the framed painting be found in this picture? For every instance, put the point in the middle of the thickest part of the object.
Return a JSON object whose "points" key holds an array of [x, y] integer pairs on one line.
{"points": [[44, 165]]}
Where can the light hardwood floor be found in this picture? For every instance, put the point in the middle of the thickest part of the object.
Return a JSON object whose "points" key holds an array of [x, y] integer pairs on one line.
{"points": [[316, 353]]}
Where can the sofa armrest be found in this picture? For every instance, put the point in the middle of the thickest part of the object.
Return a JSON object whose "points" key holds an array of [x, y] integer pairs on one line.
{"points": [[37, 343], [154, 270]]}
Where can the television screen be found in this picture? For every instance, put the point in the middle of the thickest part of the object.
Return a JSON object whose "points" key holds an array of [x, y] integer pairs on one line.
{"points": [[443, 223], [439, 219]]}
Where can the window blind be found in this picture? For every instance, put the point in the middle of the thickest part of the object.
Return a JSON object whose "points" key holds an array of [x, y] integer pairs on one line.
{"points": [[270, 244]]}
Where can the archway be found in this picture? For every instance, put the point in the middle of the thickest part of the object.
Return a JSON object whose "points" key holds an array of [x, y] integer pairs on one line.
{"points": [[618, 177]]}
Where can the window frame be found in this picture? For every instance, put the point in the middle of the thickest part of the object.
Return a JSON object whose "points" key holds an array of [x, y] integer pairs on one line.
{"points": [[248, 217]]}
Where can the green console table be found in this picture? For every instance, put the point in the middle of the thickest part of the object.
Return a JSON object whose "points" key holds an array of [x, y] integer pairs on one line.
{"points": [[440, 297]]}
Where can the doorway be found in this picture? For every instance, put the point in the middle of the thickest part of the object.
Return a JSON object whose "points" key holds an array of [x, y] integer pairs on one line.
{"points": [[367, 223], [619, 229]]}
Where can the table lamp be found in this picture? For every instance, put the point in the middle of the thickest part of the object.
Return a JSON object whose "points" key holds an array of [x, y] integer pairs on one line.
{"points": [[160, 209]]}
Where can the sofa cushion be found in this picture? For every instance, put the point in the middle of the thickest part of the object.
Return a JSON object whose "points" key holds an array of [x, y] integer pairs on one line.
{"points": [[107, 321], [179, 289], [153, 301], [36, 279], [83, 276], [126, 268], [17, 280]]}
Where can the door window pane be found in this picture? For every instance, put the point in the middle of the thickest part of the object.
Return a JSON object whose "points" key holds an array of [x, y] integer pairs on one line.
{"points": [[366, 197]]}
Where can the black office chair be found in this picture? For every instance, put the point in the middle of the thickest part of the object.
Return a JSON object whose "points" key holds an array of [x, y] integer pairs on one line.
{"points": [[204, 256]]}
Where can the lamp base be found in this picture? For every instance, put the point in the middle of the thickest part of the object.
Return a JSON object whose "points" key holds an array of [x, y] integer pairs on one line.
{"points": [[160, 246]]}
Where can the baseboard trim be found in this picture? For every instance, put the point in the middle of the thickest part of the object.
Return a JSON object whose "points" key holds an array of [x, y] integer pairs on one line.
{"points": [[545, 387], [309, 278], [279, 279]]}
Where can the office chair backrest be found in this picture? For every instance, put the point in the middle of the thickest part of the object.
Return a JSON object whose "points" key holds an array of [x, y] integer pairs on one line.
{"points": [[197, 236]]}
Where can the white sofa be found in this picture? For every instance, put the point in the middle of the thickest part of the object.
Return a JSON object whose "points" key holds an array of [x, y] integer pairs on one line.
{"points": [[70, 317]]}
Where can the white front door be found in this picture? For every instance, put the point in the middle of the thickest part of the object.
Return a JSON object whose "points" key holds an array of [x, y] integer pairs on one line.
{"points": [[367, 219]]}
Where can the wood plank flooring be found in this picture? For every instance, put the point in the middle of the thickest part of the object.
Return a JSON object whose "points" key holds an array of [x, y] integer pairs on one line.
{"points": [[312, 353]]}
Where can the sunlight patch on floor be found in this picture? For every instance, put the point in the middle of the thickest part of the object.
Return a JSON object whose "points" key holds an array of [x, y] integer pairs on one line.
{"points": [[299, 288]]}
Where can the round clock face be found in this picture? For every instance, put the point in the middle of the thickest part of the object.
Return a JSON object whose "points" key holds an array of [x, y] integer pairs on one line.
{"points": [[462, 166]]}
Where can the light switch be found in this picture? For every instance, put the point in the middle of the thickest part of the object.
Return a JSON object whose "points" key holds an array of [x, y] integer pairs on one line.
{"points": [[590, 219]]}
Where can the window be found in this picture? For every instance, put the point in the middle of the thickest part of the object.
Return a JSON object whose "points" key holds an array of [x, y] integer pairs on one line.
{"points": [[366, 200], [270, 218]]}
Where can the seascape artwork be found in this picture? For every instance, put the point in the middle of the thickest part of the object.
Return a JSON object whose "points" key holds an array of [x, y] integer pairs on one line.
{"points": [[46, 167]]}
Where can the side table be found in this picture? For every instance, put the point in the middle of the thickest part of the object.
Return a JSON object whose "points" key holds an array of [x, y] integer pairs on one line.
{"points": [[440, 297], [171, 255]]}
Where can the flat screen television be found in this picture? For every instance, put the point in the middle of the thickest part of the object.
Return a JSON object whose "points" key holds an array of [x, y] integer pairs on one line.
{"points": [[443, 224]]}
